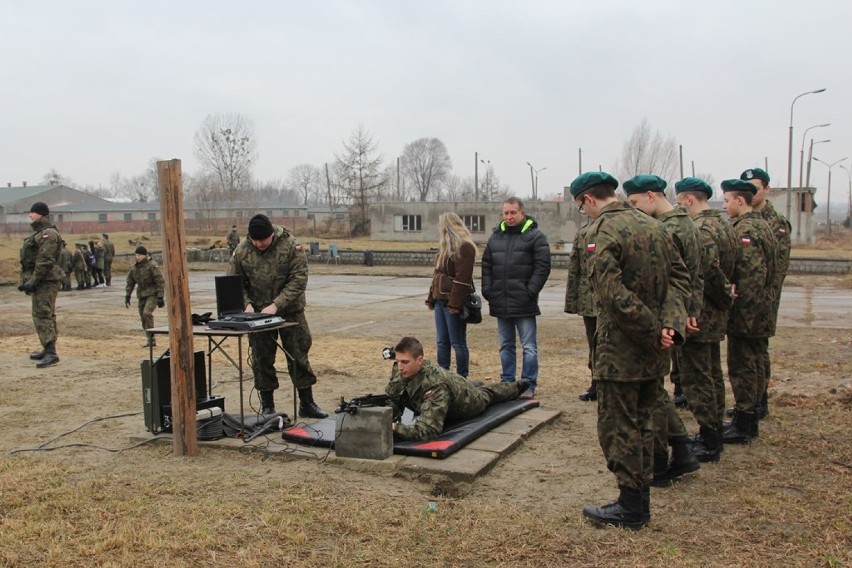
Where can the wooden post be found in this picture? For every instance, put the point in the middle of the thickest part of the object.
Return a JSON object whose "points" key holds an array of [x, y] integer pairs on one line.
{"points": [[176, 275]]}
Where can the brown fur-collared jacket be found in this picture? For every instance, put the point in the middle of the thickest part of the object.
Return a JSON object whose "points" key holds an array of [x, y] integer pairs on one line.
{"points": [[453, 280]]}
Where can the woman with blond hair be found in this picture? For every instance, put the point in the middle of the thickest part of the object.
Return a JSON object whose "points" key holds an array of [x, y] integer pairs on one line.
{"points": [[452, 281]]}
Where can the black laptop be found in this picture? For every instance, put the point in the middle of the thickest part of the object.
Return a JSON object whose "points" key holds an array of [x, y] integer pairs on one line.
{"points": [[229, 300]]}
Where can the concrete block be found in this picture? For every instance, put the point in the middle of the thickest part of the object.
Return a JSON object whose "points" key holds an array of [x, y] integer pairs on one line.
{"points": [[366, 434]]}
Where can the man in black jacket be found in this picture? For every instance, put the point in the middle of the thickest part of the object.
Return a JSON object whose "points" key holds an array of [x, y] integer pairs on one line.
{"points": [[515, 267]]}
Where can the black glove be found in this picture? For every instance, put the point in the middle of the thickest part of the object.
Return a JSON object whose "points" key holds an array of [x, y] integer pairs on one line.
{"points": [[127, 301], [160, 302], [27, 287]]}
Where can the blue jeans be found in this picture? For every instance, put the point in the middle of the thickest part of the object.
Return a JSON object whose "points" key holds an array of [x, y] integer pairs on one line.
{"points": [[450, 330], [526, 333]]}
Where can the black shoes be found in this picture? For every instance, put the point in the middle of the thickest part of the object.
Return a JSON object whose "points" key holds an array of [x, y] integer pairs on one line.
{"points": [[707, 445], [591, 393], [37, 355], [740, 430], [267, 402], [49, 357], [682, 462], [308, 408], [523, 386], [627, 512]]}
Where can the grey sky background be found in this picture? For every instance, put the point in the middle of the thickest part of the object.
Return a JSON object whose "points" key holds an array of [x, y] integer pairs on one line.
{"points": [[90, 88]]}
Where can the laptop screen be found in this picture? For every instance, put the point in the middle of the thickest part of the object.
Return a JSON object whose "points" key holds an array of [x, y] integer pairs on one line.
{"points": [[229, 295]]}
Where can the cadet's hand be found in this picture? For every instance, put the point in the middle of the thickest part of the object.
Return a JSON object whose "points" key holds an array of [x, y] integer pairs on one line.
{"points": [[27, 287], [160, 302], [734, 291], [667, 339], [271, 309], [692, 325], [127, 301]]}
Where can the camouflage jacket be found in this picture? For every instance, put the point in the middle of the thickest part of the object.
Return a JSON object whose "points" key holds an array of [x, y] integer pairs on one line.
{"points": [[753, 275], [435, 395], [781, 229], [78, 261], [233, 239], [40, 254], [639, 281], [109, 250], [684, 233], [277, 275], [146, 275], [65, 260], [718, 255], [578, 293]]}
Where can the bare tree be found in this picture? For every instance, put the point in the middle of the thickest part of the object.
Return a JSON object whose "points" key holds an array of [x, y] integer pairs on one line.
{"points": [[360, 175], [426, 164], [226, 146], [490, 186], [53, 176], [648, 152], [457, 188], [307, 180]]}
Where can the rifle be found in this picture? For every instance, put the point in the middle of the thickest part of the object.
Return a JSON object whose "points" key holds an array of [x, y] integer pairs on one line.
{"points": [[365, 401]]}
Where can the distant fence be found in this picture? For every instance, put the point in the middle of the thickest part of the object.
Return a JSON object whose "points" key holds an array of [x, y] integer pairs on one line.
{"points": [[427, 258]]}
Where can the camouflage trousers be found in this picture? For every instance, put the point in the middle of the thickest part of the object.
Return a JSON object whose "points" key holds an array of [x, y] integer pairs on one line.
{"points": [[67, 280], [746, 370], [674, 376], [82, 277], [591, 324], [108, 270], [668, 425], [44, 311], [702, 382], [625, 429], [147, 305], [296, 341]]}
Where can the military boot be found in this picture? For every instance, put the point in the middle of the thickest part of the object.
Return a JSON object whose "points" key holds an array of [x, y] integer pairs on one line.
{"points": [[708, 446], [591, 393], [267, 402], [307, 407], [50, 356], [661, 468], [37, 355], [626, 512], [683, 461], [646, 503], [739, 430]]}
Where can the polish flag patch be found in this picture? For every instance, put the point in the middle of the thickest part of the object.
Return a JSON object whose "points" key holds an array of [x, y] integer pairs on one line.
{"points": [[298, 248], [746, 241], [427, 394], [782, 231], [590, 247]]}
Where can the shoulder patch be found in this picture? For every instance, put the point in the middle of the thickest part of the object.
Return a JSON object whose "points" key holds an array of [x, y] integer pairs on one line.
{"points": [[299, 248], [782, 231], [590, 247], [45, 236], [428, 393], [745, 241]]}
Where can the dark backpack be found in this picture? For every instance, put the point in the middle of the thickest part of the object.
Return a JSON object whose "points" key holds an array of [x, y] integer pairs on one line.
{"points": [[91, 261]]}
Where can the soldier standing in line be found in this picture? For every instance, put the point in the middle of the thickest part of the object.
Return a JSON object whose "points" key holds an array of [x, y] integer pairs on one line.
{"points": [[579, 298], [639, 282], [647, 193], [781, 230], [274, 269], [78, 261], [701, 362], [89, 255], [233, 239], [41, 278], [66, 266], [146, 276], [98, 268], [109, 255], [436, 394], [750, 322]]}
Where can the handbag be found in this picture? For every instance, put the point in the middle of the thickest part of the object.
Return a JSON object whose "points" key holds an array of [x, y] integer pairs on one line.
{"points": [[472, 309]]}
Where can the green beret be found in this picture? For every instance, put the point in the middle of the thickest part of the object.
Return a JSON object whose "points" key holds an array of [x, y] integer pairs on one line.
{"points": [[693, 184], [643, 183], [588, 180], [755, 173], [738, 185]]}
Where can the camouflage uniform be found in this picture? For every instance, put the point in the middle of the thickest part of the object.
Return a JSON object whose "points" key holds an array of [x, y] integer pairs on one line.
{"points": [[681, 229], [109, 255], [639, 282], [277, 275], [233, 240], [700, 355], [78, 261], [579, 298], [751, 321], [146, 276], [66, 266], [437, 395], [39, 258], [781, 230]]}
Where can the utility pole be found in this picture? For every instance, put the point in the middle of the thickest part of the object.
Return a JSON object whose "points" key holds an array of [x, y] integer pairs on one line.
{"points": [[681, 160], [476, 176]]}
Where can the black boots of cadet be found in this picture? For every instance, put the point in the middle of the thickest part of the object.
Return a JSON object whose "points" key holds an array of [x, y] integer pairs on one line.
{"points": [[707, 446], [682, 462], [591, 393], [632, 510], [307, 407], [47, 357], [741, 429], [267, 402]]}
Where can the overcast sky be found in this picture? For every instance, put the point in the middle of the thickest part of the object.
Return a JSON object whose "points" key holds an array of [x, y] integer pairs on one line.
{"points": [[90, 88]]}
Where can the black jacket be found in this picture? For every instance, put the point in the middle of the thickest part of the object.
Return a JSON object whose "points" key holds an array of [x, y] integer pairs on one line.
{"points": [[515, 267]]}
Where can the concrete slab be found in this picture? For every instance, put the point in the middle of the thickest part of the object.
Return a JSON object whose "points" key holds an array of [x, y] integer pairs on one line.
{"points": [[464, 465], [497, 442]]}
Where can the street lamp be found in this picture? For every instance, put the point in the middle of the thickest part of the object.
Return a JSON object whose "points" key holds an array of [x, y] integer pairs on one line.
{"points": [[849, 208], [808, 169], [476, 161], [801, 168], [828, 191], [534, 179], [790, 148]]}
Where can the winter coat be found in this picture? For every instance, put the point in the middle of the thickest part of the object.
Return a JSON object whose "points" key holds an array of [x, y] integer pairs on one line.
{"points": [[453, 280]]}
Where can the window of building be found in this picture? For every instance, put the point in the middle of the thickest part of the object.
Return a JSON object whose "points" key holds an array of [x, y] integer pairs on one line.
{"points": [[407, 223], [239, 214], [269, 213], [296, 212], [340, 215], [61, 218], [152, 216], [198, 216], [102, 217], [474, 223], [128, 217]]}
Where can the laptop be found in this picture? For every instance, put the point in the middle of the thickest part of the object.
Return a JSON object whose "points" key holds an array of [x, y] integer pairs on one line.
{"points": [[229, 300]]}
